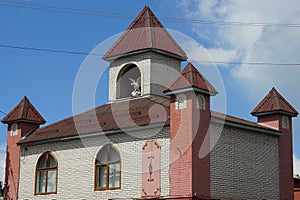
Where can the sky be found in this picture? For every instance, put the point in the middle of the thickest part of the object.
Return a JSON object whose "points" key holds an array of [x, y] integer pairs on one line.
{"points": [[241, 35]]}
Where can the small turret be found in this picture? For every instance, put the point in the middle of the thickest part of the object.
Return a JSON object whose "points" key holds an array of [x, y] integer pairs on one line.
{"points": [[189, 131], [275, 112], [22, 120]]}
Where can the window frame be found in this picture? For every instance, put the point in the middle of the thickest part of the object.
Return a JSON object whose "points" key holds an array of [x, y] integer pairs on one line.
{"points": [[200, 102], [284, 120], [180, 102], [99, 165], [46, 170], [12, 132]]}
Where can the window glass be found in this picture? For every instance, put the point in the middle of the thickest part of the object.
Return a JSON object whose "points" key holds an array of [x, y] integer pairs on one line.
{"points": [[51, 182], [102, 177], [41, 182], [114, 176], [52, 161]]}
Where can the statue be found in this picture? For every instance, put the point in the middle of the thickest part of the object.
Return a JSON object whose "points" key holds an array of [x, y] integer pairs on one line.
{"points": [[136, 86]]}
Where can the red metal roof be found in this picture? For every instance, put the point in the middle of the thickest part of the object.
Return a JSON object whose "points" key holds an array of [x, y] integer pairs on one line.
{"points": [[145, 33], [274, 102], [24, 111], [129, 114], [191, 77], [116, 116]]}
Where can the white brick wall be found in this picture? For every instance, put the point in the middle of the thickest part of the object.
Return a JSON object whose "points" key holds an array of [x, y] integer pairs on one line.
{"points": [[76, 167], [244, 165], [157, 72]]}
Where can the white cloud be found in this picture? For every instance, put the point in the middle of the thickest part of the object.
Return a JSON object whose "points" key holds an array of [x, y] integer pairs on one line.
{"points": [[271, 44], [2, 161], [296, 165]]}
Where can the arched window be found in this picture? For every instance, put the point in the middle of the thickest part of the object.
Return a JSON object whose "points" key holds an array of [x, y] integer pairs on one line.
{"points": [[180, 101], [46, 174], [201, 102], [14, 130], [129, 82], [285, 122], [108, 169]]}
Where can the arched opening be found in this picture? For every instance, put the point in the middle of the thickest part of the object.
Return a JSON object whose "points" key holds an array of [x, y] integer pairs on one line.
{"points": [[129, 82]]}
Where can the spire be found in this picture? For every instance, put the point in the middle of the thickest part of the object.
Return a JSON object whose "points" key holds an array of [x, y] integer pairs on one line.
{"points": [[145, 33], [24, 111], [191, 77], [274, 102]]}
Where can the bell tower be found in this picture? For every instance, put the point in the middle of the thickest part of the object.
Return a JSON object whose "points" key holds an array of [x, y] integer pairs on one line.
{"points": [[21, 121], [274, 111], [144, 60]]}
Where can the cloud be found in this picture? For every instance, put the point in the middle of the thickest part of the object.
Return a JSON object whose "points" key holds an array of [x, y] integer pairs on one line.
{"points": [[271, 43], [274, 42], [296, 165]]}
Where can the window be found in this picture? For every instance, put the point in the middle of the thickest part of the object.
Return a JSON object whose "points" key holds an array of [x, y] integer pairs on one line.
{"points": [[180, 101], [14, 130], [46, 174], [201, 102], [108, 169], [285, 122]]}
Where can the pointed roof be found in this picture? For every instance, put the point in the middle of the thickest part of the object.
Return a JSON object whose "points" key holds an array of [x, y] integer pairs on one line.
{"points": [[145, 33], [274, 102], [191, 78], [24, 111]]}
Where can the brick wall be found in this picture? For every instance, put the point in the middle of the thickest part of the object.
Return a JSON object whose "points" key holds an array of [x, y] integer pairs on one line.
{"points": [[244, 165], [12, 159], [76, 166], [157, 72]]}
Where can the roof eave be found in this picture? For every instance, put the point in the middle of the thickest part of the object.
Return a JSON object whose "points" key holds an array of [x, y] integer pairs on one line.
{"points": [[22, 120], [188, 89], [257, 114], [169, 54]]}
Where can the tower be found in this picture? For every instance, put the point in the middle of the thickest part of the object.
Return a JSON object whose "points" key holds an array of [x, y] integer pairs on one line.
{"points": [[146, 54], [274, 111], [189, 132], [21, 121]]}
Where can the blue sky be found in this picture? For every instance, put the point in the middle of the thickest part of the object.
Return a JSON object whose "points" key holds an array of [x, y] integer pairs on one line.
{"points": [[47, 79]]}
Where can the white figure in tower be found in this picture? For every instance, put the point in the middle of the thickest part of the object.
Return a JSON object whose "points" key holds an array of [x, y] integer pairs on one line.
{"points": [[136, 86]]}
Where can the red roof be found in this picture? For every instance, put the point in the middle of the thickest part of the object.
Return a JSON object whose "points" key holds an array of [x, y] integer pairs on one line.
{"points": [[24, 111], [145, 33], [115, 116], [191, 77], [274, 102]]}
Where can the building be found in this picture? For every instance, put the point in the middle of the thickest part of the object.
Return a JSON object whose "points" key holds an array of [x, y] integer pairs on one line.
{"points": [[151, 141], [297, 188]]}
